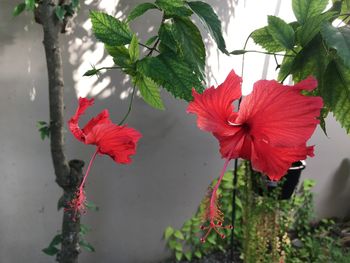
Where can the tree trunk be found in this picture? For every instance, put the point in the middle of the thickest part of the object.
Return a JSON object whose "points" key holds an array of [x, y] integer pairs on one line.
{"points": [[68, 176]]}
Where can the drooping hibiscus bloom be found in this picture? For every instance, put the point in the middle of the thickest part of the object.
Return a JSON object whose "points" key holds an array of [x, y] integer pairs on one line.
{"points": [[270, 129], [118, 142]]}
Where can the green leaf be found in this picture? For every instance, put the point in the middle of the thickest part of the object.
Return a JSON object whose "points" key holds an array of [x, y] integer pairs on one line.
{"points": [[323, 115], [139, 10], [90, 72], [198, 254], [60, 12], [308, 184], [212, 239], [188, 255], [178, 247], [18, 9], [151, 40], [339, 39], [91, 206], [210, 19], [50, 251], [304, 9], [61, 202], [110, 30], [30, 4], [86, 245], [149, 91], [179, 235], [75, 4], [312, 27], [263, 38], [172, 244], [178, 255], [44, 129], [169, 231], [166, 36], [312, 60], [286, 66], [238, 52], [335, 91], [174, 8], [281, 32], [120, 55], [172, 73], [190, 43], [84, 229], [134, 49], [56, 240]]}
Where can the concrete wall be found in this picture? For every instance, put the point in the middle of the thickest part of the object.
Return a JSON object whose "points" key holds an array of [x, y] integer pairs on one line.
{"points": [[175, 160]]}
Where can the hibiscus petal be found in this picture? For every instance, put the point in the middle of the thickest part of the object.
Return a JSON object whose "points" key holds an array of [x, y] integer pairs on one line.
{"points": [[279, 114], [214, 106], [310, 83], [275, 161], [119, 142], [235, 146], [73, 125], [101, 118]]}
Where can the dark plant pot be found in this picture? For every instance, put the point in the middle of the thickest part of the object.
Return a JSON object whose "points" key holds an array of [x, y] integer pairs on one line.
{"points": [[284, 188]]}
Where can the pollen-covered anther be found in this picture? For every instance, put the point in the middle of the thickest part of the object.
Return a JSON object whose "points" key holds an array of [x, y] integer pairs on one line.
{"points": [[77, 204], [216, 227]]}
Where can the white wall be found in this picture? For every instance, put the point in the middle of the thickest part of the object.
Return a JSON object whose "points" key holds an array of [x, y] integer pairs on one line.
{"points": [[175, 160]]}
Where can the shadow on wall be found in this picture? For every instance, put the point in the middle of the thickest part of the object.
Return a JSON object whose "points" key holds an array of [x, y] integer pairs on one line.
{"points": [[84, 51], [339, 189]]}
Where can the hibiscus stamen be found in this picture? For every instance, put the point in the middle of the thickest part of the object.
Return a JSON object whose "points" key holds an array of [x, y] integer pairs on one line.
{"points": [[214, 214], [78, 203]]}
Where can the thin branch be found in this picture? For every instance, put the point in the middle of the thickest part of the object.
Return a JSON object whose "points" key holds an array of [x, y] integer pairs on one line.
{"points": [[149, 48], [263, 52], [130, 105]]}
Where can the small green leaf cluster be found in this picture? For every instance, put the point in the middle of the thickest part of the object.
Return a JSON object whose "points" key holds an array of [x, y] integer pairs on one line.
{"points": [[174, 57], [67, 10], [265, 226], [314, 46], [61, 11], [84, 229], [185, 242], [28, 5], [53, 248], [44, 129]]}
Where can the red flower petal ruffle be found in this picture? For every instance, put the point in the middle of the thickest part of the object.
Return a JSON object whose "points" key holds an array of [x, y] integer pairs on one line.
{"points": [[214, 107], [271, 128], [119, 142]]}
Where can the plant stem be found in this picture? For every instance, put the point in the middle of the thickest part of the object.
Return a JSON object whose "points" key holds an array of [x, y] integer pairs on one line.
{"points": [[107, 68], [153, 48], [149, 48], [68, 176], [235, 174], [130, 105], [264, 52]]}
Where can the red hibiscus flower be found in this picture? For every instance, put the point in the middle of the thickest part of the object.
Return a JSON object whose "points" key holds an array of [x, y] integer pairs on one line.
{"points": [[119, 142], [271, 128]]}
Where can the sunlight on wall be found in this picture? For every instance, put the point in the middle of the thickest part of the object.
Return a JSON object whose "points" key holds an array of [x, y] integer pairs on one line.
{"points": [[249, 15], [85, 54], [245, 17]]}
